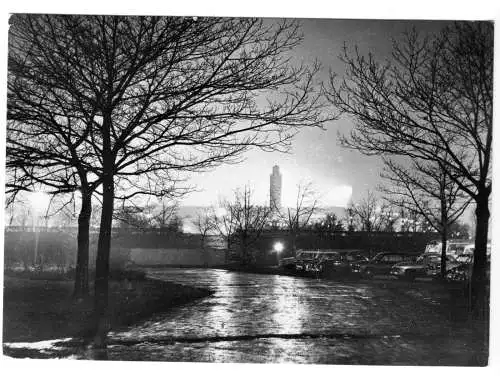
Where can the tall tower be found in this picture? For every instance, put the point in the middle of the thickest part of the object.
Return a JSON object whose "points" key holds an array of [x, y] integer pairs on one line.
{"points": [[275, 189]]}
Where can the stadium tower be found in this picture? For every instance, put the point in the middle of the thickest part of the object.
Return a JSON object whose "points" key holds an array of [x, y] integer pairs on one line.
{"points": [[275, 190]]}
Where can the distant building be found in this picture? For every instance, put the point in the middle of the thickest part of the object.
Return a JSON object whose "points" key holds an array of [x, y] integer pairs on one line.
{"points": [[275, 190]]}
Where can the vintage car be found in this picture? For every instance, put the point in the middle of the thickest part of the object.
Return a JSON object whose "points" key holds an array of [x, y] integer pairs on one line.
{"points": [[341, 264], [463, 271], [382, 263], [425, 265], [307, 260], [453, 247]]}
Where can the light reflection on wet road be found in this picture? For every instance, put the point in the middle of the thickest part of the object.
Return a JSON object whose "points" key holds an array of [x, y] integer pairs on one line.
{"points": [[270, 318]]}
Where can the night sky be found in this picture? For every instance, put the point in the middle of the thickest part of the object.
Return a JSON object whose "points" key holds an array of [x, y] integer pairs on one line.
{"points": [[336, 173]]}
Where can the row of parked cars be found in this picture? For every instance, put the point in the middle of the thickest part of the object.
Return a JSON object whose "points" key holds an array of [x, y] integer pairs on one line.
{"points": [[339, 263]]}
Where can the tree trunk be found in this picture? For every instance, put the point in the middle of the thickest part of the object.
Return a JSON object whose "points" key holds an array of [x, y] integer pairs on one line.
{"points": [[444, 225], [479, 279], [101, 319], [82, 261], [444, 239]]}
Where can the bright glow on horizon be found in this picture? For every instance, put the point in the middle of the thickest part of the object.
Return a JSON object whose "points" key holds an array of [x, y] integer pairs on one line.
{"points": [[338, 196], [220, 212], [330, 188]]}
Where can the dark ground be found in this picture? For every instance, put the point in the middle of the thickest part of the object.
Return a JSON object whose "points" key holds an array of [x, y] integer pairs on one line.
{"points": [[36, 310], [253, 316]]}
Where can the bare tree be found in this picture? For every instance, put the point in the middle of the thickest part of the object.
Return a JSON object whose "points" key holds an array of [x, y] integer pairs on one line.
{"points": [[349, 218], [147, 215], [431, 102], [164, 214], [298, 217], [251, 219], [204, 224], [427, 190], [389, 217], [367, 212], [329, 224], [158, 96], [244, 222], [324, 228], [132, 217], [38, 160], [224, 224]]}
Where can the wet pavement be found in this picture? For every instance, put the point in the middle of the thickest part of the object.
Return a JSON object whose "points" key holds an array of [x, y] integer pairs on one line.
{"points": [[271, 318]]}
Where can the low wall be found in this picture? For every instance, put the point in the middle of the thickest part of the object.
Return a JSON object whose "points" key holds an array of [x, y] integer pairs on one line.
{"points": [[176, 257], [153, 248]]}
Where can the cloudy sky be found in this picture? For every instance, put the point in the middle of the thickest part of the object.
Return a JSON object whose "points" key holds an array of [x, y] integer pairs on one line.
{"points": [[336, 173]]}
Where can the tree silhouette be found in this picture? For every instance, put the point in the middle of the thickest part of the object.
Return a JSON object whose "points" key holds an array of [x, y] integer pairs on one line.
{"points": [[367, 212], [242, 222], [154, 98], [204, 223], [432, 101], [298, 217], [427, 190]]}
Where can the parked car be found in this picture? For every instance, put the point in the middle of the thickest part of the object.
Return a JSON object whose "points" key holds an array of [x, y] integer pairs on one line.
{"points": [[463, 271], [356, 258], [425, 265], [340, 264], [434, 268], [454, 247], [382, 263], [308, 260]]}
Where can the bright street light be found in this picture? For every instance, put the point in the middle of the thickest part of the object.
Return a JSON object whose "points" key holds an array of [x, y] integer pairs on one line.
{"points": [[278, 247]]}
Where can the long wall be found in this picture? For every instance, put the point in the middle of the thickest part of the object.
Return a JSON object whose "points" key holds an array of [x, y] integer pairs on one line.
{"points": [[176, 256], [58, 248], [185, 249]]}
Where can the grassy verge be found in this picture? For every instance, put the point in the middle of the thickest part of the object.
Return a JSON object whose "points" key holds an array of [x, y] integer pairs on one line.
{"points": [[37, 309]]}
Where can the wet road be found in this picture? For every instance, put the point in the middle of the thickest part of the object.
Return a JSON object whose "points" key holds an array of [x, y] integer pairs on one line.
{"points": [[270, 318]]}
